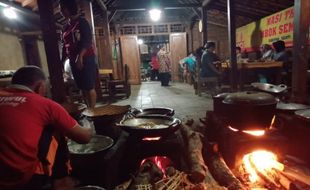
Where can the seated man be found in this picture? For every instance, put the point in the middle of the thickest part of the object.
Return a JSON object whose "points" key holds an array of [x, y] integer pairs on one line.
{"points": [[29, 150]]}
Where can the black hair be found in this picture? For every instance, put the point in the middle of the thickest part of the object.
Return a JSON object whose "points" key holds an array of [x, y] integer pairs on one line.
{"points": [[28, 76], [199, 51], [238, 48], [70, 5], [209, 45], [279, 45]]}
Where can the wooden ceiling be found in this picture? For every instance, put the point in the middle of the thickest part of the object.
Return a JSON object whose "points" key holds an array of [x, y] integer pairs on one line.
{"points": [[135, 11]]}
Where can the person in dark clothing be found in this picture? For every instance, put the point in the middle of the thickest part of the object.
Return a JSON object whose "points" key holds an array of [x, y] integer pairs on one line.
{"points": [[79, 48], [209, 58]]}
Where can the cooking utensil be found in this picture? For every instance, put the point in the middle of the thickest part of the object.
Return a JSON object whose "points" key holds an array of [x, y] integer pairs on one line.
{"points": [[290, 108], [270, 88], [160, 111], [303, 114], [156, 126], [89, 187], [250, 110]]}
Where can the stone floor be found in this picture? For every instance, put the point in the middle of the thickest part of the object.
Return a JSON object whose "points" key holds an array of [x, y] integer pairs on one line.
{"points": [[179, 96]]}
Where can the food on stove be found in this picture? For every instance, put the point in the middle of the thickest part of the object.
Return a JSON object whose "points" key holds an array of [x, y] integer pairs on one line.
{"points": [[151, 125], [96, 144]]}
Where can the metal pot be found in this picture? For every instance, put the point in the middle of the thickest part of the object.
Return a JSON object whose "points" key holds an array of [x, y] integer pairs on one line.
{"points": [[88, 157], [218, 105], [152, 112], [250, 110], [303, 115], [150, 126]]}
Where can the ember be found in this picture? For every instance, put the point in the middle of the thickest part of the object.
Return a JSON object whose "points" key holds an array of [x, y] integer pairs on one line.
{"points": [[151, 138]]}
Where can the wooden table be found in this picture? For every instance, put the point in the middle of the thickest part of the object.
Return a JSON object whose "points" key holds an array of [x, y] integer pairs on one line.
{"points": [[245, 67], [260, 65]]}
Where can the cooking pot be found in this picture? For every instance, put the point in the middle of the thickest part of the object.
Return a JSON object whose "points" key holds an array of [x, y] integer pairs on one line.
{"points": [[152, 112], [218, 105], [150, 126], [250, 110], [88, 157], [290, 108], [105, 117]]}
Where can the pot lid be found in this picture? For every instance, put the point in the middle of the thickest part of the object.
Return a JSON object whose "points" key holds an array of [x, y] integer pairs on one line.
{"points": [[291, 106], [250, 98], [222, 95], [270, 87], [305, 114]]}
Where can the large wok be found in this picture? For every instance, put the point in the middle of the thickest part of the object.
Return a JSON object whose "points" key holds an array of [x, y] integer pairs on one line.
{"points": [[150, 126]]}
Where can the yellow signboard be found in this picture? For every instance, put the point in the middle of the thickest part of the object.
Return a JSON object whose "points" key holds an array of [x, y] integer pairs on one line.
{"points": [[278, 26]]}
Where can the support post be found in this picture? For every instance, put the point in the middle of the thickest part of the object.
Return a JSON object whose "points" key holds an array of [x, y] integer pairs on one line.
{"points": [[52, 50], [204, 25], [300, 50], [232, 43]]}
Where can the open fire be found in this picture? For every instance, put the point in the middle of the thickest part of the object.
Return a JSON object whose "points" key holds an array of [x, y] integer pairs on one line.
{"points": [[261, 169]]}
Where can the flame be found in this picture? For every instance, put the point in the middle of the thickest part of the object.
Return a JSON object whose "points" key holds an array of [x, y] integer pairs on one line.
{"points": [[260, 161], [151, 138], [162, 162], [256, 133]]}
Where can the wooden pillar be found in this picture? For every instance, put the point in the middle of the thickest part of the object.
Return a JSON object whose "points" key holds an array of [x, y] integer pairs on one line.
{"points": [[31, 50], [107, 50], [232, 43], [300, 49], [51, 48], [204, 25]]}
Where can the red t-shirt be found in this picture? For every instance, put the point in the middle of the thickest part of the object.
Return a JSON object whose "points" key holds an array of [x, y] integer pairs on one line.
{"points": [[155, 63], [23, 116]]}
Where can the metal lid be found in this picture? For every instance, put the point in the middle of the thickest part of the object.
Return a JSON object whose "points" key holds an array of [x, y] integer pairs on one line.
{"points": [[250, 98], [222, 95], [276, 89], [291, 106], [304, 114]]}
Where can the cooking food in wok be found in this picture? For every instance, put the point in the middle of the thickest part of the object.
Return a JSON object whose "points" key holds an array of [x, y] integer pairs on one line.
{"points": [[153, 112], [150, 125]]}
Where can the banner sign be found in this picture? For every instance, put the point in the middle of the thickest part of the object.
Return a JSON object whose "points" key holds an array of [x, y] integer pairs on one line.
{"points": [[278, 26]]}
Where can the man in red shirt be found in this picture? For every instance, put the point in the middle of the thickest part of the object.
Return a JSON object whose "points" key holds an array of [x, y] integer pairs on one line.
{"points": [[24, 116]]}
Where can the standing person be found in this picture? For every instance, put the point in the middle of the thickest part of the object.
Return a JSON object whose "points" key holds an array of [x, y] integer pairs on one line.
{"points": [[238, 54], [79, 48], [29, 149], [155, 66], [208, 61], [164, 66]]}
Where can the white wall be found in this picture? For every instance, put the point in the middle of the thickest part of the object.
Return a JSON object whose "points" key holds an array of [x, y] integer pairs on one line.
{"points": [[11, 52]]}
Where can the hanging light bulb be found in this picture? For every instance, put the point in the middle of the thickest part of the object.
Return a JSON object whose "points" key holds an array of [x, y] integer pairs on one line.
{"points": [[155, 14], [140, 41], [9, 13]]}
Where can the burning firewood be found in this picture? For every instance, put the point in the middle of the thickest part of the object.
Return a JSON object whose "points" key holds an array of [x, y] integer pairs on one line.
{"points": [[148, 175], [220, 170]]}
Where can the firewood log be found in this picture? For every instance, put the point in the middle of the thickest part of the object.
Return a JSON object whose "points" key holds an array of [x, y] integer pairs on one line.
{"points": [[198, 170], [220, 170]]}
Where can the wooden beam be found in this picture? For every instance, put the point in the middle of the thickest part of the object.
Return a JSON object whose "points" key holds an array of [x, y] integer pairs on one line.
{"points": [[232, 43], [144, 6], [204, 25], [300, 49], [222, 8], [52, 50], [111, 15], [206, 3]]}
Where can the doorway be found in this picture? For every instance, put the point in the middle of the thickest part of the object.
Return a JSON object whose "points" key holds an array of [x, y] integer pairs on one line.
{"points": [[149, 47]]}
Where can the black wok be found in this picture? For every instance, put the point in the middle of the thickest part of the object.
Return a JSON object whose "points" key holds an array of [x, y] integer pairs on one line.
{"points": [[163, 126]]}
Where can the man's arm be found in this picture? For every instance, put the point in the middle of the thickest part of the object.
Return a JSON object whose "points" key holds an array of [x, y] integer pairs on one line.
{"points": [[80, 134]]}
